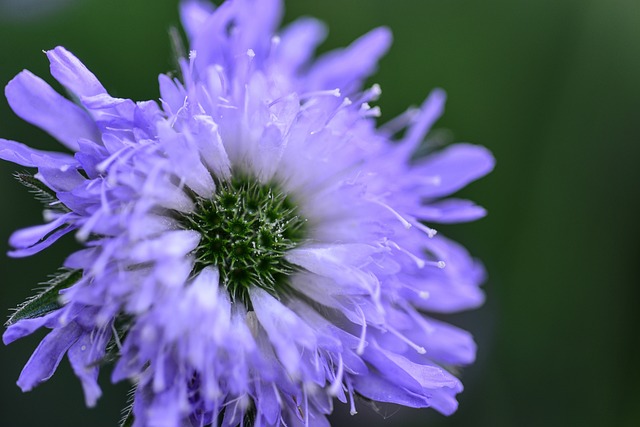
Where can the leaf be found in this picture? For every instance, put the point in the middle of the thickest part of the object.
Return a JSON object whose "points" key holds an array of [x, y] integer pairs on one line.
{"points": [[42, 193], [46, 301]]}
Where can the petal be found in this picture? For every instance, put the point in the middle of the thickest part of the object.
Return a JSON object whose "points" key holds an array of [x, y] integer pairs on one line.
{"points": [[452, 169], [85, 356], [298, 41], [346, 69], [278, 320], [377, 388], [26, 327], [48, 241], [23, 155], [185, 161], [430, 111], [46, 358], [444, 343], [33, 100], [194, 14], [29, 236], [449, 211], [73, 74]]}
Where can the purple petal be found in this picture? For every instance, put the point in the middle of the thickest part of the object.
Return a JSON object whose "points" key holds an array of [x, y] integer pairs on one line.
{"points": [[29, 236], [194, 14], [348, 68], [452, 169], [278, 320], [25, 327], [73, 74], [33, 100], [85, 356], [380, 389], [444, 343], [49, 240], [46, 358], [22, 155], [449, 211], [431, 110], [298, 41]]}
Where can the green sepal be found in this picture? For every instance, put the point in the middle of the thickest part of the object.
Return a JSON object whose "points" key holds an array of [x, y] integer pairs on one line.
{"points": [[127, 413], [47, 300], [127, 417], [42, 193]]}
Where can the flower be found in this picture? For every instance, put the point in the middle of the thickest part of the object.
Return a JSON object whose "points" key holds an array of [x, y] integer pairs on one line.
{"points": [[253, 246]]}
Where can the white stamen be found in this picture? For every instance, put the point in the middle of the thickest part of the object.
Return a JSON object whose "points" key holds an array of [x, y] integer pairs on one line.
{"points": [[429, 231], [251, 53], [363, 332], [400, 218], [331, 92], [352, 403], [406, 340], [337, 381], [419, 261], [439, 264]]}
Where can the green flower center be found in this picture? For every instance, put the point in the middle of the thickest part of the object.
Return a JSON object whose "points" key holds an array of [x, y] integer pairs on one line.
{"points": [[246, 229]]}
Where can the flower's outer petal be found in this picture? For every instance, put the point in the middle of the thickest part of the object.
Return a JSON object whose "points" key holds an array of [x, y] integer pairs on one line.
{"points": [[170, 245], [278, 320], [266, 403], [298, 42], [258, 21], [444, 343], [46, 358], [211, 148], [449, 211], [22, 155], [173, 95], [43, 244], [26, 327], [455, 287], [348, 68], [194, 14], [29, 236], [377, 388], [454, 167], [73, 74], [85, 356], [61, 179], [430, 111], [36, 102], [185, 161]]}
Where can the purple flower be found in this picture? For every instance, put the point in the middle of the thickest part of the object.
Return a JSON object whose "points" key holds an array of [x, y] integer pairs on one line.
{"points": [[253, 246]]}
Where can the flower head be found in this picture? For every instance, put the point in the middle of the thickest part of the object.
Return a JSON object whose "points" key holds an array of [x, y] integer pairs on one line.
{"points": [[253, 246]]}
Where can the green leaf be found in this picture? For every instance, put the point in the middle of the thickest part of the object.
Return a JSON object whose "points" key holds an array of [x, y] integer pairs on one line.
{"points": [[42, 193], [48, 300]]}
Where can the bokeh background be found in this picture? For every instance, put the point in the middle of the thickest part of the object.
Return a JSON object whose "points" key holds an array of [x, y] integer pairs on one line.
{"points": [[552, 87]]}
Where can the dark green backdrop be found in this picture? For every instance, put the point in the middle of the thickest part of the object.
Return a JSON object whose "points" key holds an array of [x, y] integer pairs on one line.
{"points": [[550, 86]]}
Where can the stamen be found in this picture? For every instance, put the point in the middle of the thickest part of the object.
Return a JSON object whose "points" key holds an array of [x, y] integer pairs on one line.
{"points": [[419, 261], [337, 381], [363, 332], [395, 213], [317, 93], [416, 347], [352, 403], [420, 226]]}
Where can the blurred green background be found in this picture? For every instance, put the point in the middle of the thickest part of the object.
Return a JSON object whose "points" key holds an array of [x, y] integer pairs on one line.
{"points": [[550, 86]]}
